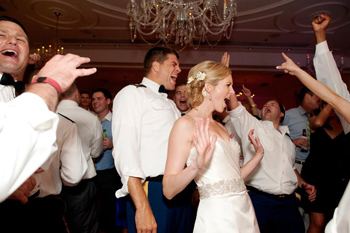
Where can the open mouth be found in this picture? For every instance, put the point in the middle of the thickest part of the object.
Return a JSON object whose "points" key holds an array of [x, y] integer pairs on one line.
{"points": [[174, 77], [9, 53], [183, 102]]}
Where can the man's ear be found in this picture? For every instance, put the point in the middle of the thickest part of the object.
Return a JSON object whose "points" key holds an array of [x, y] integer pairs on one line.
{"points": [[155, 66], [282, 114], [108, 101]]}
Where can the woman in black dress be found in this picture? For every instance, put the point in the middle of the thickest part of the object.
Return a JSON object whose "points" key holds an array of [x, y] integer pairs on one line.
{"points": [[324, 166]]}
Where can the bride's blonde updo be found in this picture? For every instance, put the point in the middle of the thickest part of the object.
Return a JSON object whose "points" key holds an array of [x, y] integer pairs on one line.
{"points": [[205, 72]]}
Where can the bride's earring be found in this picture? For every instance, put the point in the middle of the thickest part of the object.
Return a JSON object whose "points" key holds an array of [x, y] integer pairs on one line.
{"points": [[209, 96]]}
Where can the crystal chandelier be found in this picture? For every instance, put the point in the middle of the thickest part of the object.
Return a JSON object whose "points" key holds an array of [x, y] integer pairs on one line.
{"points": [[181, 22], [46, 53]]}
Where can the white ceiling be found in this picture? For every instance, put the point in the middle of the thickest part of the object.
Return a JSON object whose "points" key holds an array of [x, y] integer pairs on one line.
{"points": [[261, 27]]}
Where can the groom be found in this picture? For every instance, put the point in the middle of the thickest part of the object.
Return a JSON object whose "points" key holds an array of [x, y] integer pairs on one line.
{"points": [[142, 120]]}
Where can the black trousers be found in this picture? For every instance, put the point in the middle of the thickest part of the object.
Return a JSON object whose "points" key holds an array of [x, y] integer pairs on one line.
{"points": [[81, 214], [107, 183]]}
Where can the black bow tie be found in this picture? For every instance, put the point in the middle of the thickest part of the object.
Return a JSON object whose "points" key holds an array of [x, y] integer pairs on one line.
{"points": [[7, 80], [162, 89]]}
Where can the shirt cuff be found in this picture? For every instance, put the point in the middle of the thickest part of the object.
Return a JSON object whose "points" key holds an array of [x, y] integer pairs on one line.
{"points": [[321, 48]]}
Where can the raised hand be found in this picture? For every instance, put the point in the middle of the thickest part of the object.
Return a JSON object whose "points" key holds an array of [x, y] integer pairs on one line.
{"points": [[321, 22], [63, 69], [201, 141], [225, 59], [259, 149], [246, 91], [289, 66], [33, 58]]}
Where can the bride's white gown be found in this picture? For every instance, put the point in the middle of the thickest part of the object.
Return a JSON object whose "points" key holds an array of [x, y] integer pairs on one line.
{"points": [[224, 203]]}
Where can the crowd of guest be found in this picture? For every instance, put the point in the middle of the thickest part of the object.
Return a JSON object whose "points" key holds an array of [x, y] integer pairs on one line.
{"points": [[202, 162]]}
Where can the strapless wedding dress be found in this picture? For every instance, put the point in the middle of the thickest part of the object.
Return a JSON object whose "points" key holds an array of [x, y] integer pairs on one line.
{"points": [[224, 203]]}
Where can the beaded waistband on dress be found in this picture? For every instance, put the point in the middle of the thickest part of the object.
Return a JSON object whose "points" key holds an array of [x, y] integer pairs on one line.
{"points": [[221, 187]]}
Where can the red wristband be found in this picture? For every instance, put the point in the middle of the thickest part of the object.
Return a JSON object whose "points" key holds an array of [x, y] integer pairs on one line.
{"points": [[49, 81]]}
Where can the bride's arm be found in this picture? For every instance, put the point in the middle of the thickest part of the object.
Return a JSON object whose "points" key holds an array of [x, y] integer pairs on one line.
{"points": [[176, 177], [253, 162]]}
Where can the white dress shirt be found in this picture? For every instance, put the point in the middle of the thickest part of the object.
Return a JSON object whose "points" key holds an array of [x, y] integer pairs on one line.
{"points": [[68, 165], [142, 121], [89, 130], [341, 218], [328, 73], [27, 139], [7, 93], [275, 173]]}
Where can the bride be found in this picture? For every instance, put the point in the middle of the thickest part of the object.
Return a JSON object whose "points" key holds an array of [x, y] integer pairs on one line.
{"points": [[202, 150]]}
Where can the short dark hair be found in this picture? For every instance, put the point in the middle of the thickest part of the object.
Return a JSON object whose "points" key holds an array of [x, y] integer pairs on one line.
{"points": [[104, 91], [9, 19], [69, 92], [158, 54], [282, 108], [302, 92], [84, 92]]}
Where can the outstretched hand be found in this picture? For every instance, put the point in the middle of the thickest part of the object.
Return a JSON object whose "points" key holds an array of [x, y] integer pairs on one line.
{"points": [[225, 59], [63, 69], [201, 141], [289, 66], [259, 149]]}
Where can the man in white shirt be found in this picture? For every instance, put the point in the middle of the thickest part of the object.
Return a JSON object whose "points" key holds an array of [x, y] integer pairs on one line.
{"points": [[67, 166], [40, 124], [271, 185], [143, 117], [14, 55], [328, 73], [81, 211]]}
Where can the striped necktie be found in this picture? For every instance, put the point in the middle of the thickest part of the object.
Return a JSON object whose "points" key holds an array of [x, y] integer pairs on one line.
{"points": [[308, 131]]}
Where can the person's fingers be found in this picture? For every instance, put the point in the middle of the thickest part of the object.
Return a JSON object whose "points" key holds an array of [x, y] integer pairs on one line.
{"points": [[285, 56], [207, 136], [85, 72]]}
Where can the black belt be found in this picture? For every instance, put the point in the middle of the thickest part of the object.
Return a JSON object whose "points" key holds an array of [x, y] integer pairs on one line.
{"points": [[271, 196], [299, 161], [157, 178]]}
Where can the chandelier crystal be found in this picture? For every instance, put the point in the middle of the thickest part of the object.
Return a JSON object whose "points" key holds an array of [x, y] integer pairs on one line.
{"points": [[181, 22]]}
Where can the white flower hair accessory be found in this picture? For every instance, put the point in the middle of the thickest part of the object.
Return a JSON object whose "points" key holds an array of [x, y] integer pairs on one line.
{"points": [[190, 79], [199, 77], [204, 92]]}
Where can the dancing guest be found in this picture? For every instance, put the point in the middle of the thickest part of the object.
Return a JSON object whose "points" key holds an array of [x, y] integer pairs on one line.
{"points": [[40, 98], [81, 209], [142, 120], [327, 152], [210, 157], [271, 185], [180, 99], [341, 221]]}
